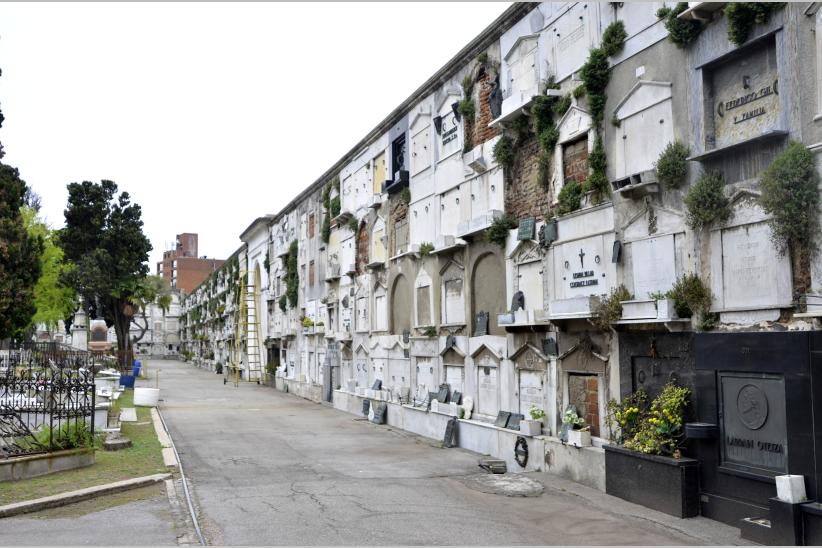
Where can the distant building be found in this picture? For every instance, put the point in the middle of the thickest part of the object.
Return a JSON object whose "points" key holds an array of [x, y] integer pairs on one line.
{"points": [[182, 268]]}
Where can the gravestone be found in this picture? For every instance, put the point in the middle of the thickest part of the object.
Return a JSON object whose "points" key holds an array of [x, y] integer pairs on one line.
{"points": [[379, 413], [366, 407], [654, 265], [442, 394], [450, 437], [377, 385], [456, 397], [526, 229], [548, 234], [481, 323], [502, 419]]}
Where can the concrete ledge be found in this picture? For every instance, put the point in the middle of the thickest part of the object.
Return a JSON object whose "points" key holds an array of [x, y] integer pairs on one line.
{"points": [[71, 497], [31, 466], [162, 435]]}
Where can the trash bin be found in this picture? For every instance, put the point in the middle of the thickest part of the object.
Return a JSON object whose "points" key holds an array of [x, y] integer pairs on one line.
{"points": [[127, 381]]}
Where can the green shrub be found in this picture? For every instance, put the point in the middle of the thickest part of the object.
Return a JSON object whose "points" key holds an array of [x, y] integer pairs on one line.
{"points": [[504, 152], [548, 138], [742, 16], [69, 435], [467, 109], [660, 429], [544, 161], [326, 230], [292, 275], [405, 195], [542, 113], [497, 233], [610, 308], [570, 197], [790, 195], [672, 166], [335, 206], [706, 201], [426, 248], [625, 416], [597, 181], [691, 296], [429, 331], [579, 91], [613, 38], [595, 75], [353, 224], [283, 303], [680, 32], [562, 105], [482, 58]]}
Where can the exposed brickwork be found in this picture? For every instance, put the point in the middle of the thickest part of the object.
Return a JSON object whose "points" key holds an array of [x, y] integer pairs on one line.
{"points": [[399, 213], [482, 131], [524, 194], [575, 160], [584, 393], [363, 245]]}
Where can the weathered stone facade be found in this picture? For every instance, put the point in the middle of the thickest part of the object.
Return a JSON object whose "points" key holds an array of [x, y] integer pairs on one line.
{"points": [[411, 301]]}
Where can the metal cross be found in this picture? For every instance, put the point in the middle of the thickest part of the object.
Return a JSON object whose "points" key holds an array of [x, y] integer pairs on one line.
{"points": [[581, 258]]}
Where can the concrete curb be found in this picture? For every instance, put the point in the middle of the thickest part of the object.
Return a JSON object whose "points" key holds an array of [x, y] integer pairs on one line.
{"points": [[71, 497], [162, 435]]}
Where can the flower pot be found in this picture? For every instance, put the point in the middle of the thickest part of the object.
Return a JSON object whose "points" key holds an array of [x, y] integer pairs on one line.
{"points": [[579, 438], [530, 427], [665, 309], [146, 397], [662, 483]]}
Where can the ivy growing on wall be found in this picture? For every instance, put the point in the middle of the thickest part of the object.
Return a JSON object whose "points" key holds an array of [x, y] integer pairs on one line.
{"points": [[789, 194], [595, 75], [467, 110], [292, 275], [610, 308], [706, 202], [504, 153], [570, 197], [597, 181]]}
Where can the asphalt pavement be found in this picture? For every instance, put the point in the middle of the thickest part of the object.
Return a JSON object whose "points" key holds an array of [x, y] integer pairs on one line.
{"points": [[268, 468]]}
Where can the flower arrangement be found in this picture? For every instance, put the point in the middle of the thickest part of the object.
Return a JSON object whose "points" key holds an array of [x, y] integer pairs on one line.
{"points": [[656, 429], [536, 413], [574, 421]]}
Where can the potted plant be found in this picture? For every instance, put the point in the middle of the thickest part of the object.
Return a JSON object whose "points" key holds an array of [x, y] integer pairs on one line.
{"points": [[647, 444], [532, 426], [579, 435]]}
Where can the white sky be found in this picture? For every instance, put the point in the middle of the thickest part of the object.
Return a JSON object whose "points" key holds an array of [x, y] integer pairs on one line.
{"points": [[209, 114]]}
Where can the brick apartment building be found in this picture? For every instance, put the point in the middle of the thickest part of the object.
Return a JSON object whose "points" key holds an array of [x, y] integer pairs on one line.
{"points": [[182, 268]]}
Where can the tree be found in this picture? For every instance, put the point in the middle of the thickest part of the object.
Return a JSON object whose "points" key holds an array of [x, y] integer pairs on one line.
{"points": [[103, 239], [152, 290], [19, 255], [55, 301]]}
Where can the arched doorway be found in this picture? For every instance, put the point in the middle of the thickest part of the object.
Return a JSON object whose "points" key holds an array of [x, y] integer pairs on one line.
{"points": [[488, 273]]}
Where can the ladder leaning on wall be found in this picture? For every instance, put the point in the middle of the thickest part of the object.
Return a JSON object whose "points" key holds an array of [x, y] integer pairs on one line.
{"points": [[246, 334]]}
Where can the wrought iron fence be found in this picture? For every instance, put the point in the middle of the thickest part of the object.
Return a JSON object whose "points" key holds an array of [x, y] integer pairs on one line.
{"points": [[47, 399]]}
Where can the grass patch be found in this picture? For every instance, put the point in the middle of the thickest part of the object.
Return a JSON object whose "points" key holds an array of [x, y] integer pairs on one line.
{"points": [[143, 458], [150, 492]]}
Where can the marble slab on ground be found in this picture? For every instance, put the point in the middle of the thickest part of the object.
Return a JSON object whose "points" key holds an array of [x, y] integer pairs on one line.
{"points": [[128, 414]]}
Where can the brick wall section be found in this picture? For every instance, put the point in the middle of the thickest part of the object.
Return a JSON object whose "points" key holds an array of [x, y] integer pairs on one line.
{"points": [[399, 212], [584, 393], [524, 195], [363, 245], [482, 131]]}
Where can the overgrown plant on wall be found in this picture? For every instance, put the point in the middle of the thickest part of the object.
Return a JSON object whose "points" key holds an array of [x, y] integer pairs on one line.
{"points": [[706, 202], [610, 308], [597, 181], [672, 165], [497, 233], [690, 295], [426, 248], [467, 110], [790, 195], [742, 16], [504, 153], [570, 197], [680, 31], [292, 275], [613, 38]]}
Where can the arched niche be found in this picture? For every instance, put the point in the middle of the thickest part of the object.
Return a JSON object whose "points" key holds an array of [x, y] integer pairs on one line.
{"points": [[400, 305], [488, 272]]}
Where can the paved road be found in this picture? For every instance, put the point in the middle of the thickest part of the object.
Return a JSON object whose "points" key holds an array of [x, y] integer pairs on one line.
{"points": [[272, 468]]}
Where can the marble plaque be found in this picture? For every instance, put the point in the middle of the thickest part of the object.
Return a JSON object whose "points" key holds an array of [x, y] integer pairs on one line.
{"points": [[746, 96], [653, 265], [750, 266], [753, 425], [530, 391]]}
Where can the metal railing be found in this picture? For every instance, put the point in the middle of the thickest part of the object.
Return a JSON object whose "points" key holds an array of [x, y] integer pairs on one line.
{"points": [[47, 399]]}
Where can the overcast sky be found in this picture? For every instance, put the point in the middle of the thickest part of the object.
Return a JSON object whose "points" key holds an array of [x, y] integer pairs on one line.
{"points": [[209, 115]]}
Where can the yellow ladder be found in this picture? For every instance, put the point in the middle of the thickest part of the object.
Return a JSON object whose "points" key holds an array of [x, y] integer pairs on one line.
{"points": [[252, 334]]}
